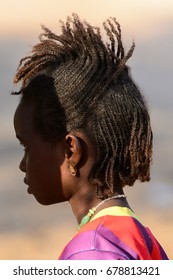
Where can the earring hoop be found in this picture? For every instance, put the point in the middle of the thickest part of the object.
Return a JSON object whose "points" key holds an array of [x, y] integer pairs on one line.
{"points": [[72, 169]]}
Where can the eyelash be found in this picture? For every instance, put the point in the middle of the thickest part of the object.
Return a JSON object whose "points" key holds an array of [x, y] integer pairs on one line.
{"points": [[24, 146]]}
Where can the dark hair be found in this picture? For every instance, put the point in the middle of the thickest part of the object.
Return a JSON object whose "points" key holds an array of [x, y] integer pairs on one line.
{"points": [[81, 82]]}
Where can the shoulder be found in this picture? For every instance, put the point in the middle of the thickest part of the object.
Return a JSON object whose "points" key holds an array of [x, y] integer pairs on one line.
{"points": [[113, 237], [97, 241]]}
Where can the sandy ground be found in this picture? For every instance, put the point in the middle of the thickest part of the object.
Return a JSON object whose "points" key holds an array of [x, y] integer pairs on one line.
{"points": [[46, 244]]}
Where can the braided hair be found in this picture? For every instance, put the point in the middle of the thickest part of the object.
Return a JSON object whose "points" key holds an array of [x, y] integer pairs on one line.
{"points": [[80, 82]]}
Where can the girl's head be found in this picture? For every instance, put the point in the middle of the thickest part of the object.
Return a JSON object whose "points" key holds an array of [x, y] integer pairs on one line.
{"points": [[76, 82]]}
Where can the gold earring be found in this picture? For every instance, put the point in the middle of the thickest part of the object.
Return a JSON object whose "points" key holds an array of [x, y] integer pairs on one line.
{"points": [[73, 170]]}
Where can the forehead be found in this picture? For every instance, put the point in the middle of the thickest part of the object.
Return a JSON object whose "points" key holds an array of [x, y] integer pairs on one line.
{"points": [[23, 119]]}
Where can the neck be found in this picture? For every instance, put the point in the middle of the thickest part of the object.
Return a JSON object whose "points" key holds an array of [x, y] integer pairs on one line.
{"points": [[82, 203], [93, 210]]}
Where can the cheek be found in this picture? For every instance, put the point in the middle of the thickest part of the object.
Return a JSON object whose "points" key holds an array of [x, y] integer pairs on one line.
{"points": [[66, 180], [45, 179], [41, 166]]}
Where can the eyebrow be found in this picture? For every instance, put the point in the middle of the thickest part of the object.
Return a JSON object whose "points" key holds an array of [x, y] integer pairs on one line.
{"points": [[16, 92]]}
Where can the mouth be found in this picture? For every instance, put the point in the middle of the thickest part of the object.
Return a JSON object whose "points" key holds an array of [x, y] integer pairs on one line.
{"points": [[25, 181]]}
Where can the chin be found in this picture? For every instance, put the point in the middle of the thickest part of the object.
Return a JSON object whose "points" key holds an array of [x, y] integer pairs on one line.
{"points": [[46, 201], [42, 200]]}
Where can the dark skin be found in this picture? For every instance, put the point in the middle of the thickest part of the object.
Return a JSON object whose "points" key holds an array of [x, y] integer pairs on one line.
{"points": [[46, 166]]}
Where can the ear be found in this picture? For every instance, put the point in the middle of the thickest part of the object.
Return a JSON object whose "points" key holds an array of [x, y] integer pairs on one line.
{"points": [[73, 149]]}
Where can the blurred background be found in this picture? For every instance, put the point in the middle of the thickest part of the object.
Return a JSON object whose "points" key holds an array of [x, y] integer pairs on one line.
{"points": [[32, 231]]}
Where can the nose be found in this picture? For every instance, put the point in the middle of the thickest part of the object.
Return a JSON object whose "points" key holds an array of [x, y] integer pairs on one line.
{"points": [[22, 165]]}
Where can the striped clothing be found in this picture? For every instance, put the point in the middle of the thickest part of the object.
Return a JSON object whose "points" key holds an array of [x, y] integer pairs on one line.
{"points": [[115, 233]]}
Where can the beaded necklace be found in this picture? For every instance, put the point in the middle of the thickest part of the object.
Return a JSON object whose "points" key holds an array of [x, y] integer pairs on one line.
{"points": [[91, 211]]}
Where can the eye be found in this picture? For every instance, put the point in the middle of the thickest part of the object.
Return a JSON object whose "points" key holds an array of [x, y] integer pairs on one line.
{"points": [[24, 146]]}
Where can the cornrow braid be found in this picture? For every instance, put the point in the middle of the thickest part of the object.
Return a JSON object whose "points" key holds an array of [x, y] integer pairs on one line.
{"points": [[79, 81]]}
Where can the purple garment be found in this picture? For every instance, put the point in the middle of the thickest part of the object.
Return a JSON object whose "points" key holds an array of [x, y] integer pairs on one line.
{"points": [[92, 245], [113, 238]]}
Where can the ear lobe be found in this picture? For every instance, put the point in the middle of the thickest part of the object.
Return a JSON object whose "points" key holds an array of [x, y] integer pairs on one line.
{"points": [[74, 149]]}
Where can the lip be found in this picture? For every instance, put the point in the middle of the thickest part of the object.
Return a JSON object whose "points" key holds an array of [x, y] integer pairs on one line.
{"points": [[29, 190], [25, 181]]}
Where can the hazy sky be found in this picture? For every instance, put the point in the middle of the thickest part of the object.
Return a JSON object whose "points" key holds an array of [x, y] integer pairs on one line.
{"points": [[150, 24], [23, 16]]}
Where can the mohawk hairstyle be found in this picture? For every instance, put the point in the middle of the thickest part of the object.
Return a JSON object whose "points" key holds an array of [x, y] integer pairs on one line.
{"points": [[91, 89]]}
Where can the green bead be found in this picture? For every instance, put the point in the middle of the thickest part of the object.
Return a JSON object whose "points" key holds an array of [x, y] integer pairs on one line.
{"points": [[92, 211], [85, 220], [87, 217], [78, 228]]}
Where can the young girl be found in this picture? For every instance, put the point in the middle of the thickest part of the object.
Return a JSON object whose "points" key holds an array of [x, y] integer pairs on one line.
{"points": [[86, 134]]}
